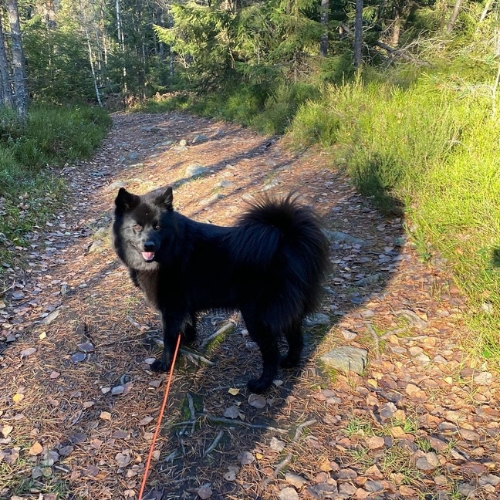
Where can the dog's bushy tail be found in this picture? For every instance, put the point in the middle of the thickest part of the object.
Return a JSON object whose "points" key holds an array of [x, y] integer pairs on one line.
{"points": [[287, 238]]}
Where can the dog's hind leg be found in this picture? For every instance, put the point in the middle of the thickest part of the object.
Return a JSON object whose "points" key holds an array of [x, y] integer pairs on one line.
{"points": [[189, 329], [267, 340], [293, 335]]}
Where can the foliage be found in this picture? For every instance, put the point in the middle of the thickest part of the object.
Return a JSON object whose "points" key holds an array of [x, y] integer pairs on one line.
{"points": [[57, 64], [29, 192]]}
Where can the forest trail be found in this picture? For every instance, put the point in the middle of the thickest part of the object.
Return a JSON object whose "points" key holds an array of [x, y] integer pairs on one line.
{"points": [[79, 403]]}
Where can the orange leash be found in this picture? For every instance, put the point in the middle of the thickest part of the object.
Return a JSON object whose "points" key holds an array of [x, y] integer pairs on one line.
{"points": [[157, 430]]}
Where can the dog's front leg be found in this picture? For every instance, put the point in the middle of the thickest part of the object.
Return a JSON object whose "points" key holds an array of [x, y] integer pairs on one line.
{"points": [[171, 329]]}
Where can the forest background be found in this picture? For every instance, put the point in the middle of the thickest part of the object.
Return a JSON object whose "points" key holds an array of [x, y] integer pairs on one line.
{"points": [[402, 94]]}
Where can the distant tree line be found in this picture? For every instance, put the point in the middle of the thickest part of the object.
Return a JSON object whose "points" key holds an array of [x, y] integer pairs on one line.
{"points": [[102, 50]]}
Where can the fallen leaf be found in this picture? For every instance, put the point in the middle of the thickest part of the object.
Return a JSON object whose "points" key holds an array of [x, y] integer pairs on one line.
{"points": [[145, 420], [105, 415], [276, 445], [233, 391], [123, 458], [246, 458], [230, 475], [9, 456], [288, 493], [204, 491], [232, 412], [96, 443], [6, 430], [325, 466], [42, 336], [17, 398], [257, 401], [36, 449], [28, 352]]}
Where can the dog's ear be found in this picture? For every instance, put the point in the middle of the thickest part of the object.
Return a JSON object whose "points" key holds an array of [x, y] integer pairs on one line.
{"points": [[166, 199], [125, 201]]}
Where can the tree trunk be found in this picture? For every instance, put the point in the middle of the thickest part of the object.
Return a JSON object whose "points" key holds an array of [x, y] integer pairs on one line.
{"points": [[358, 34], [454, 16], [18, 72], [323, 46], [5, 84], [121, 42], [396, 30]]}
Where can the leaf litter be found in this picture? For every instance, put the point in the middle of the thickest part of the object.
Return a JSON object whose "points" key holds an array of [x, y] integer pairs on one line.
{"points": [[422, 417]]}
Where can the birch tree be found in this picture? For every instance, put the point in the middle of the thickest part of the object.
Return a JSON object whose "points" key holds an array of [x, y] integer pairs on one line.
{"points": [[5, 85], [18, 69]]}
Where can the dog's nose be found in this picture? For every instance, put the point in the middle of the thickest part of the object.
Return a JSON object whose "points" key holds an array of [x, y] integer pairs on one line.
{"points": [[149, 246]]}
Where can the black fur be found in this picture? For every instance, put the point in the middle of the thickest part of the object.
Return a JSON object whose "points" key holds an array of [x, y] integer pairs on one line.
{"points": [[270, 266]]}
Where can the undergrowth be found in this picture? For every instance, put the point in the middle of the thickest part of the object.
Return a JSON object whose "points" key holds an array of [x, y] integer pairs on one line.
{"points": [[30, 189]]}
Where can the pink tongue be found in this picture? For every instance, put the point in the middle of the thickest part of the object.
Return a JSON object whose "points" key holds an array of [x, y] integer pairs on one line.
{"points": [[148, 255]]}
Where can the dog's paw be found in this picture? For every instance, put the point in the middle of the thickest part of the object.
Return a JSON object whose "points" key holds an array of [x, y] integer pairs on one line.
{"points": [[160, 366], [258, 386]]}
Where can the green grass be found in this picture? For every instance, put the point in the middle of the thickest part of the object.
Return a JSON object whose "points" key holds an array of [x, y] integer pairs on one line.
{"points": [[428, 151], [30, 193]]}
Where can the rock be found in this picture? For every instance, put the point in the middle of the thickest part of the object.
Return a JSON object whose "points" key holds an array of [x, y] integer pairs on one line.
{"points": [[86, 347], [347, 359], [195, 170], [50, 318], [117, 390], [78, 357], [114, 186], [369, 280], [199, 138], [317, 319], [339, 237]]}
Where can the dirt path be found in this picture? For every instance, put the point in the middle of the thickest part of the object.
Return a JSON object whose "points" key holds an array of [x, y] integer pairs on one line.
{"points": [[79, 403]]}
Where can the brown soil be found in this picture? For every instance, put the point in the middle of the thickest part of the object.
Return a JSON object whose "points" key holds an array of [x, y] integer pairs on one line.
{"points": [[423, 421]]}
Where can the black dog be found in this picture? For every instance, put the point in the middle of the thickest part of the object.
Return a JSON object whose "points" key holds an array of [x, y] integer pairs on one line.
{"points": [[269, 266]]}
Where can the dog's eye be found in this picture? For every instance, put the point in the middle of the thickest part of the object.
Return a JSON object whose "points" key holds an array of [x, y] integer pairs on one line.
{"points": [[137, 228], [156, 227]]}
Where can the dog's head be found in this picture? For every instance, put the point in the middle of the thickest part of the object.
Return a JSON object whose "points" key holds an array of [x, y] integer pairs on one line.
{"points": [[139, 224]]}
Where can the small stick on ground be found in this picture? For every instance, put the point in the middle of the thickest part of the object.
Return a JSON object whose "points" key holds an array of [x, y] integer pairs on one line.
{"points": [[375, 339], [289, 457], [197, 357], [214, 444], [221, 331], [191, 411]]}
